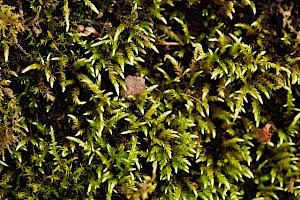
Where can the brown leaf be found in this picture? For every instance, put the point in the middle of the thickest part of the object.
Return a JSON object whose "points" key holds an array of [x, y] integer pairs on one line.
{"points": [[90, 30], [264, 135], [134, 86], [80, 28]]}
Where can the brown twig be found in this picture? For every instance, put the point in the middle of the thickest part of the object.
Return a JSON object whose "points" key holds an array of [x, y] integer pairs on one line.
{"points": [[164, 43]]}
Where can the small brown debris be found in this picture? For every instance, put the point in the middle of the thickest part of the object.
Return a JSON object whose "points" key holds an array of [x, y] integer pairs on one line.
{"points": [[100, 15], [87, 30], [195, 185], [291, 184], [80, 28], [164, 43], [90, 30], [134, 86], [37, 30], [265, 133]]}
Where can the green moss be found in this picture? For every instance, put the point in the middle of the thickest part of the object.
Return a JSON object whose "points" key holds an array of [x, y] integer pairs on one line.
{"points": [[216, 73]]}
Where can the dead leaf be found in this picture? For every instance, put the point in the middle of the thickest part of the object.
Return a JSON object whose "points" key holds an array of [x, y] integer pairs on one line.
{"points": [[80, 28], [90, 30], [265, 133], [134, 86]]}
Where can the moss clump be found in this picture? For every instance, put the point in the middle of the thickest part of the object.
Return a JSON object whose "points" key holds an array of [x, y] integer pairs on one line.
{"points": [[216, 115]]}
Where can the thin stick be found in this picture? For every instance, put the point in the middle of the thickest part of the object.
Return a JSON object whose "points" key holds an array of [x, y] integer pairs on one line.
{"points": [[164, 43]]}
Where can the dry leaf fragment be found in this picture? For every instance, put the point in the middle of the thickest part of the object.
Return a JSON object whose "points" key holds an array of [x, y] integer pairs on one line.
{"points": [[161, 42], [195, 185], [90, 30], [134, 86], [80, 28], [265, 134], [87, 30]]}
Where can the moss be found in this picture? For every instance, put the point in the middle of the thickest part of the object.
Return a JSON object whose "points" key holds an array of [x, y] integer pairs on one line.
{"points": [[216, 72]]}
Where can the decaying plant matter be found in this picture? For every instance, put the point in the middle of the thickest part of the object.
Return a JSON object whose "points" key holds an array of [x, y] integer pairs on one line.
{"points": [[264, 134], [88, 30], [134, 86]]}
